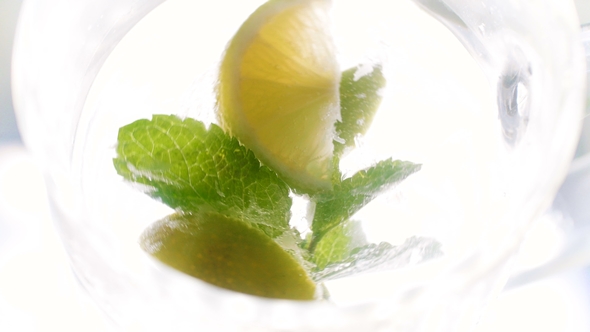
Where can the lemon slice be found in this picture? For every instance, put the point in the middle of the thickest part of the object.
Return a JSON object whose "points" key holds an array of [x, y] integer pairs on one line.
{"points": [[278, 90]]}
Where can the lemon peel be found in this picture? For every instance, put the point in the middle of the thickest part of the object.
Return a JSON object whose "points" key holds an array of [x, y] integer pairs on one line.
{"points": [[278, 90]]}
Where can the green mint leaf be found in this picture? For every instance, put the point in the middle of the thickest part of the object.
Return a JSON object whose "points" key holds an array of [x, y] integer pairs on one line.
{"points": [[228, 253], [380, 257], [359, 100], [351, 194], [338, 244], [194, 169]]}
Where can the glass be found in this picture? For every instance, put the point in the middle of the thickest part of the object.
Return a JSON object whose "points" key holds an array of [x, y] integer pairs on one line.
{"points": [[494, 124], [569, 210]]}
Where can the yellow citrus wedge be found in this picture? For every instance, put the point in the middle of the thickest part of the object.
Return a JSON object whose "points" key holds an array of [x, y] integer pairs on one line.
{"points": [[278, 90]]}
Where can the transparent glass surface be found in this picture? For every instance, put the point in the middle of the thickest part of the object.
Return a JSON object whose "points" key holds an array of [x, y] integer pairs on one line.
{"points": [[486, 95]]}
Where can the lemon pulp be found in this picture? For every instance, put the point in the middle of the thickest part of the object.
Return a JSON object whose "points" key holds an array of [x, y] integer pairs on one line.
{"points": [[278, 90]]}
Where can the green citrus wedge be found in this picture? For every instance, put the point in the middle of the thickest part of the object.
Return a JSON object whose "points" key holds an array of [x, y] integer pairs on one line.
{"points": [[228, 253], [278, 90]]}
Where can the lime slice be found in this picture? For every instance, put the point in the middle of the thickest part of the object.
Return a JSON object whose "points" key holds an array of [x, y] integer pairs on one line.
{"points": [[278, 90], [228, 253]]}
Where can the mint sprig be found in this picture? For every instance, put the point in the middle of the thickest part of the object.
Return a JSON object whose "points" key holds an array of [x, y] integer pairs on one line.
{"points": [[338, 244], [360, 97], [194, 169], [349, 195], [379, 257], [203, 171], [344, 251]]}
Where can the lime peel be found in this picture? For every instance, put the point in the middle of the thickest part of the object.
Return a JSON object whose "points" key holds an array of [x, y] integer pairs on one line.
{"points": [[228, 253]]}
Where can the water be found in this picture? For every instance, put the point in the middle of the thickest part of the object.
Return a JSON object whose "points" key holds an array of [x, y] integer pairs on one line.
{"points": [[437, 110], [483, 179]]}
